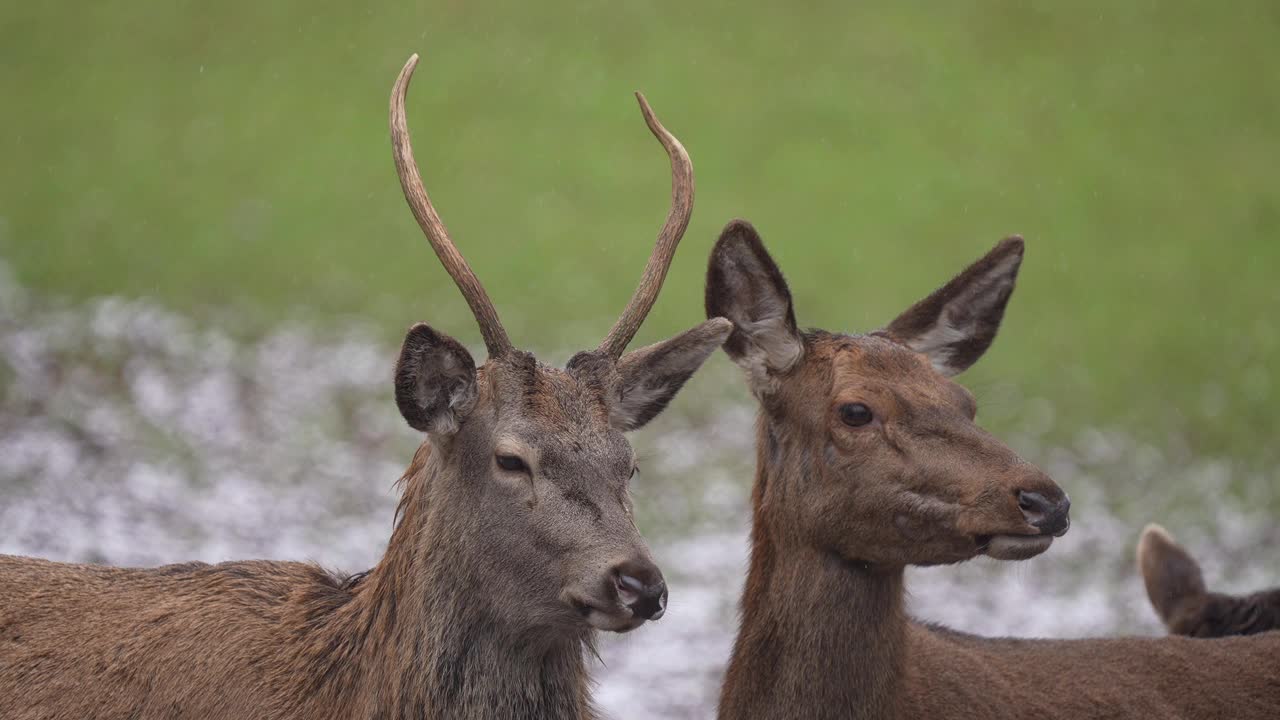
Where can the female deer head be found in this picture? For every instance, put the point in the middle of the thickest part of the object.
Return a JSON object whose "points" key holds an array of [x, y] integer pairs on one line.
{"points": [[869, 460], [871, 448], [526, 467]]}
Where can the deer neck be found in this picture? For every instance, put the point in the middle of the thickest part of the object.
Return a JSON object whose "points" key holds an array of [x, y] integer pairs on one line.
{"points": [[820, 637], [429, 640]]}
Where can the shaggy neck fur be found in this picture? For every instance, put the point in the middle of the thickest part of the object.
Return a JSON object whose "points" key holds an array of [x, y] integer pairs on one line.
{"points": [[421, 636], [809, 615]]}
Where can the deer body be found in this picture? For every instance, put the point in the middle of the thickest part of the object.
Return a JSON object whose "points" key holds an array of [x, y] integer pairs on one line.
{"points": [[514, 544], [869, 460], [825, 638], [279, 640]]}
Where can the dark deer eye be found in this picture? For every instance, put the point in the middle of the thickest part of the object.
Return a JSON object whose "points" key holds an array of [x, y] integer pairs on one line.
{"points": [[855, 414], [511, 463]]}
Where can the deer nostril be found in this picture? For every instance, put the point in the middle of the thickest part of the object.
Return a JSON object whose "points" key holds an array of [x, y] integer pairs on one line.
{"points": [[651, 603], [630, 584], [1033, 502], [641, 589], [1049, 516]]}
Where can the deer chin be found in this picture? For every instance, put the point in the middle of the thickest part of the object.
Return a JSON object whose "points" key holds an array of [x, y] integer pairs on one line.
{"points": [[1013, 547]]}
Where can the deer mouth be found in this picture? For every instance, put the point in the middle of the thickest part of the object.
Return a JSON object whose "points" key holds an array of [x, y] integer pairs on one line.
{"points": [[616, 619], [1012, 547]]}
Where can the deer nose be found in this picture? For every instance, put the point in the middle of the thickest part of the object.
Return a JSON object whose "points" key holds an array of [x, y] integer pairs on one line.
{"points": [[641, 588], [1050, 515]]}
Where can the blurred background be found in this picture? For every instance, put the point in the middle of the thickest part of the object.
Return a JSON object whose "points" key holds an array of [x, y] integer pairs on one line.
{"points": [[206, 265]]}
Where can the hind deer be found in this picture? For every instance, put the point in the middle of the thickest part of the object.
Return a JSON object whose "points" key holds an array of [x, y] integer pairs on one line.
{"points": [[868, 460], [1185, 606], [514, 543]]}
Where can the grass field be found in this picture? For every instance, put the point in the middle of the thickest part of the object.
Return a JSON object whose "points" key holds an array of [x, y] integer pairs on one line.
{"points": [[230, 160]]}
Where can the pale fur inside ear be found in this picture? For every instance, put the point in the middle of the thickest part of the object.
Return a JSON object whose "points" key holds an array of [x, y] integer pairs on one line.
{"points": [[936, 344], [772, 346], [956, 324], [650, 377], [745, 285]]}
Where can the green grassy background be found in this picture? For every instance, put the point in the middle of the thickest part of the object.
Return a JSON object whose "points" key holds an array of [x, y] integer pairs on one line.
{"points": [[231, 160]]}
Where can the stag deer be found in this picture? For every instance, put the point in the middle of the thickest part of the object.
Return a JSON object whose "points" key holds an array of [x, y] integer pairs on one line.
{"points": [[514, 542], [869, 460], [1177, 592]]}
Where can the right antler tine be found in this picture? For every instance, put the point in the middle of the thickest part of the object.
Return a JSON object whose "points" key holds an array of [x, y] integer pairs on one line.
{"points": [[668, 238], [495, 337]]}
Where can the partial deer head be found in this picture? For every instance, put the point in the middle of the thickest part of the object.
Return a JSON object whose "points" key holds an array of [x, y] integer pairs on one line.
{"points": [[528, 463], [870, 448], [1185, 605]]}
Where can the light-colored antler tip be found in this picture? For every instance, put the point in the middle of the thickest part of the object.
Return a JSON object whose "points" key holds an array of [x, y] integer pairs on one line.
{"points": [[401, 86], [650, 118], [407, 71]]}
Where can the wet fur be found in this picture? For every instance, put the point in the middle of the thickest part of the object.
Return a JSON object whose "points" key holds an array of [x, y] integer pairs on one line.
{"points": [[413, 638], [466, 615]]}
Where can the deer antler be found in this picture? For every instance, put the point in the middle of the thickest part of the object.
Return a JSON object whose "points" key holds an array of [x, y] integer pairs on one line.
{"points": [[665, 248], [495, 337]]}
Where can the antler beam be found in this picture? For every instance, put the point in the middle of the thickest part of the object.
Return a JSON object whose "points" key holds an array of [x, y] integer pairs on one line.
{"points": [[495, 337], [665, 249]]}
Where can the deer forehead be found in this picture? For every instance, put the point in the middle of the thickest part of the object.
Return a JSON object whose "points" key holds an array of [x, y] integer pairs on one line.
{"points": [[562, 418], [875, 364]]}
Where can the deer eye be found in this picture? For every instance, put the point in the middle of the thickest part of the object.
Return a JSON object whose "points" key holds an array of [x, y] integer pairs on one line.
{"points": [[855, 414], [511, 463]]}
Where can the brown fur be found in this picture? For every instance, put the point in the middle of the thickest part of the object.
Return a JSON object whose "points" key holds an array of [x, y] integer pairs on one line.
{"points": [[280, 640], [840, 510], [514, 543], [1178, 594], [473, 612]]}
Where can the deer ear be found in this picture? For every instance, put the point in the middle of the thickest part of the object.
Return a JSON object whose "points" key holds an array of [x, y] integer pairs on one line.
{"points": [[435, 381], [1172, 577], [745, 286], [955, 325], [650, 377]]}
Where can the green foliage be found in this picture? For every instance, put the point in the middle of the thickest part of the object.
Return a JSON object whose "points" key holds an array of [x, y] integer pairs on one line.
{"points": [[235, 155]]}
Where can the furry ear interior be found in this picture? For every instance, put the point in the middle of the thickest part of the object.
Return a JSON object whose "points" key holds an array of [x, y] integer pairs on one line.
{"points": [[956, 324], [650, 377], [745, 286], [435, 381]]}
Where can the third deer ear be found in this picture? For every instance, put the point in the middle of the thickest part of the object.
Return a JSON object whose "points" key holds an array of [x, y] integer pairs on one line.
{"points": [[1178, 593], [1174, 583]]}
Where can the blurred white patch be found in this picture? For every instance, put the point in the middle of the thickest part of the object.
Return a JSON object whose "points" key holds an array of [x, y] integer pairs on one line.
{"points": [[129, 435]]}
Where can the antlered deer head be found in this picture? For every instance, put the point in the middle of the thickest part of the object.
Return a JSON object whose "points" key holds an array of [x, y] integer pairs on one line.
{"points": [[528, 466]]}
